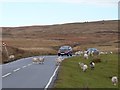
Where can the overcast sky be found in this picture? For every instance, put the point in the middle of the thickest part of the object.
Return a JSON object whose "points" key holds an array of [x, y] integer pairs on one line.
{"points": [[48, 12]]}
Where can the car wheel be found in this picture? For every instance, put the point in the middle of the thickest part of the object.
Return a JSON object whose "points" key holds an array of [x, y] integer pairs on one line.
{"points": [[58, 54], [67, 54]]}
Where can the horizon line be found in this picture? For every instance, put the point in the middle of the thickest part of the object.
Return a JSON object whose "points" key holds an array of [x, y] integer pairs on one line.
{"points": [[61, 23]]}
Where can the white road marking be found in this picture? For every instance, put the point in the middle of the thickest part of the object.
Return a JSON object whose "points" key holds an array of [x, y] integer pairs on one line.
{"points": [[6, 75], [16, 70], [29, 64], [51, 78], [24, 66]]}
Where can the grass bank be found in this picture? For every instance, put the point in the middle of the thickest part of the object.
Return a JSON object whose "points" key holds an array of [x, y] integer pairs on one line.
{"points": [[71, 76]]}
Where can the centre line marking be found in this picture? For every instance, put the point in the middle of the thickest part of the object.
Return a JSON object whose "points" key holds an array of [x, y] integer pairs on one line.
{"points": [[24, 66], [6, 75], [16, 69], [29, 64]]}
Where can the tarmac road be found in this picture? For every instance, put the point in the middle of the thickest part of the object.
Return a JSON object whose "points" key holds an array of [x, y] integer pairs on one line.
{"points": [[26, 74]]}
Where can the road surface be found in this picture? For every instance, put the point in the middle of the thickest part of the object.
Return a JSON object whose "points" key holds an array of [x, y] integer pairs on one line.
{"points": [[26, 74]]}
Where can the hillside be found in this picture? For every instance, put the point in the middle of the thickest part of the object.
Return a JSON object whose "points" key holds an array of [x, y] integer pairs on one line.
{"points": [[100, 34]]}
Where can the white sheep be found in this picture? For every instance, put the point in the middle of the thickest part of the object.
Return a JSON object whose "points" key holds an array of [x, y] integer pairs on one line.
{"points": [[35, 60], [114, 80], [76, 53], [41, 60], [111, 52], [84, 68], [11, 57], [85, 52], [101, 53], [58, 60], [81, 64], [86, 56], [79, 53]]}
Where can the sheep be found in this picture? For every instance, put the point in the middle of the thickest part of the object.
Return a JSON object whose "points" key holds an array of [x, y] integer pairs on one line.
{"points": [[58, 60], [106, 53], [79, 53], [41, 60], [83, 66], [111, 52], [35, 60], [114, 80], [101, 53], [11, 57], [86, 56], [92, 65]]}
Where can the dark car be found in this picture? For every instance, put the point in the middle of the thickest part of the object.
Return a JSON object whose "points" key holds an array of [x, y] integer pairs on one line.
{"points": [[65, 50]]}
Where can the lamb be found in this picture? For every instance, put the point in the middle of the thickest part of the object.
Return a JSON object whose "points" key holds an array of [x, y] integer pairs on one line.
{"points": [[86, 56], [92, 65], [58, 60], [114, 80]]}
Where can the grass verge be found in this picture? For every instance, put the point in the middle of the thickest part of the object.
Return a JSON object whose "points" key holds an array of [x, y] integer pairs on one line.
{"points": [[71, 76]]}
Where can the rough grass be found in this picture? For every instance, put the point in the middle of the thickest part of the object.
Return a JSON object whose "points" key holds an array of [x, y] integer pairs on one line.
{"points": [[24, 52], [71, 76]]}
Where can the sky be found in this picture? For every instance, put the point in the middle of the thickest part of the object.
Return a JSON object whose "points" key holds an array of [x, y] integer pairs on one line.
{"points": [[14, 13]]}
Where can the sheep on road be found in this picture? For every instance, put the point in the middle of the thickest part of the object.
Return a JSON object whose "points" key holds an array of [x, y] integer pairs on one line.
{"points": [[39, 60], [58, 60]]}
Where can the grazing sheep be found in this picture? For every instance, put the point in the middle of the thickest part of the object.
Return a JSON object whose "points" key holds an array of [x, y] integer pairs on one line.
{"points": [[84, 68], [101, 53], [58, 60], [114, 80], [106, 53], [11, 57], [79, 53], [86, 56], [76, 53], [111, 52], [92, 65], [81, 64], [85, 52]]}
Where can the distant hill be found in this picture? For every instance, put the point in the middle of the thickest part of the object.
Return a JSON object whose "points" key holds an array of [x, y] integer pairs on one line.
{"points": [[48, 38], [102, 27]]}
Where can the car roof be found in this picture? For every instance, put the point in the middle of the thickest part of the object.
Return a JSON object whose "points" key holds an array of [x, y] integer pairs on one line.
{"points": [[92, 49], [65, 47]]}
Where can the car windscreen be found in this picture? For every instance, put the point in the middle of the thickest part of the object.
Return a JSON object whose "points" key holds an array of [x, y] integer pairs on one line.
{"points": [[65, 48]]}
